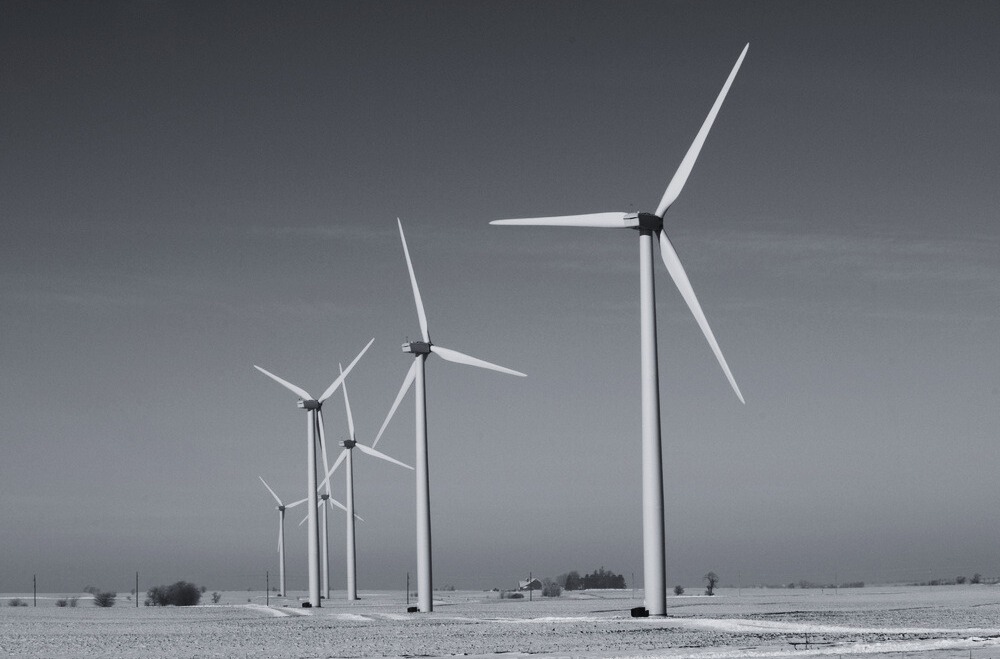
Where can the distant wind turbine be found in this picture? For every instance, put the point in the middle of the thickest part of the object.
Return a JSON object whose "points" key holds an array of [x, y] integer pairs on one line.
{"points": [[420, 351], [654, 565], [348, 454], [314, 413], [281, 534]]}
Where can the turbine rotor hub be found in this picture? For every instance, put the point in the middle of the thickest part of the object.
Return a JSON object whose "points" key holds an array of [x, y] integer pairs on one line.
{"points": [[348, 443], [324, 497], [309, 405]]}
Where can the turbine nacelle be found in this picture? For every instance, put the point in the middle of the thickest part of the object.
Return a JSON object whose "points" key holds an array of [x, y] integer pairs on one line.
{"points": [[309, 405], [418, 347], [348, 443], [644, 222]]}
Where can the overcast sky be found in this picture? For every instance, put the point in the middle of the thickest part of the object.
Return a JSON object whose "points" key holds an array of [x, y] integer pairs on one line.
{"points": [[188, 189]]}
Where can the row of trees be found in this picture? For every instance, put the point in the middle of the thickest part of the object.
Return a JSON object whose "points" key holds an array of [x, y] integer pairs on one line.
{"points": [[599, 578], [976, 578]]}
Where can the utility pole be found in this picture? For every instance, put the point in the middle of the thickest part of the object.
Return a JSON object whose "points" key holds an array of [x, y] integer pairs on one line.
{"points": [[267, 587], [34, 590], [530, 586], [137, 589], [407, 590]]}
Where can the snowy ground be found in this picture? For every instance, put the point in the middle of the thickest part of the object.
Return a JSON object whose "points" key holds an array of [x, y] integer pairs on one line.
{"points": [[944, 622]]}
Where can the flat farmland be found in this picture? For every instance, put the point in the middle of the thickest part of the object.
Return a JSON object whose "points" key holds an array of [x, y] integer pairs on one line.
{"points": [[912, 622]]}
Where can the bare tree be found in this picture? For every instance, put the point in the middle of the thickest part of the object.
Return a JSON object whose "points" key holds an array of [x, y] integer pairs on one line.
{"points": [[712, 578]]}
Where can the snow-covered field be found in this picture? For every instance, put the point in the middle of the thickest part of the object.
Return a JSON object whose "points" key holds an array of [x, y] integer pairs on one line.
{"points": [[903, 622]]}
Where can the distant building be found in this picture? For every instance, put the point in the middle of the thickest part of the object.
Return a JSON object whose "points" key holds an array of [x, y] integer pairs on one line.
{"points": [[532, 584]]}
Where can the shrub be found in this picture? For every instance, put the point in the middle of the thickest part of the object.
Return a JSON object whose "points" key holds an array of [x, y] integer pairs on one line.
{"points": [[551, 588], [181, 593], [61, 603], [73, 600], [216, 597], [976, 578], [678, 590], [104, 600], [17, 601]]}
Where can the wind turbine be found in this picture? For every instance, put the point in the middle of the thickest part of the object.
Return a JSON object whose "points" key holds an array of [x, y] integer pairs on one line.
{"points": [[420, 351], [647, 225], [348, 454], [281, 533], [314, 425]]}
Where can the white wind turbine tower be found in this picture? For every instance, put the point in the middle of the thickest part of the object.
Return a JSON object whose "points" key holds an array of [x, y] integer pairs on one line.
{"points": [[348, 454], [281, 534], [647, 225], [420, 351], [314, 414], [325, 498]]}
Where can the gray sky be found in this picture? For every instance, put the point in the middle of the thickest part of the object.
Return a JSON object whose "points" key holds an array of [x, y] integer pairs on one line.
{"points": [[189, 189]]}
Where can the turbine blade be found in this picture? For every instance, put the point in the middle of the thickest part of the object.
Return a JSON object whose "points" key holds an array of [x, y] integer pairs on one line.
{"points": [[460, 358], [271, 491], [684, 170], [597, 220], [407, 382], [416, 291], [347, 406], [336, 383], [334, 502], [680, 278], [292, 505], [298, 391], [318, 504], [378, 454], [329, 472]]}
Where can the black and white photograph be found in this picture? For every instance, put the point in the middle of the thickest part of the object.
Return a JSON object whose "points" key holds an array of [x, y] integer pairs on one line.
{"points": [[549, 328]]}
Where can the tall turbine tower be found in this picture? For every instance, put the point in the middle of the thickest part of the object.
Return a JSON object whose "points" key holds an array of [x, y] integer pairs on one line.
{"points": [[314, 420], [281, 535], [421, 350], [325, 499], [324, 530], [347, 454], [647, 224]]}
